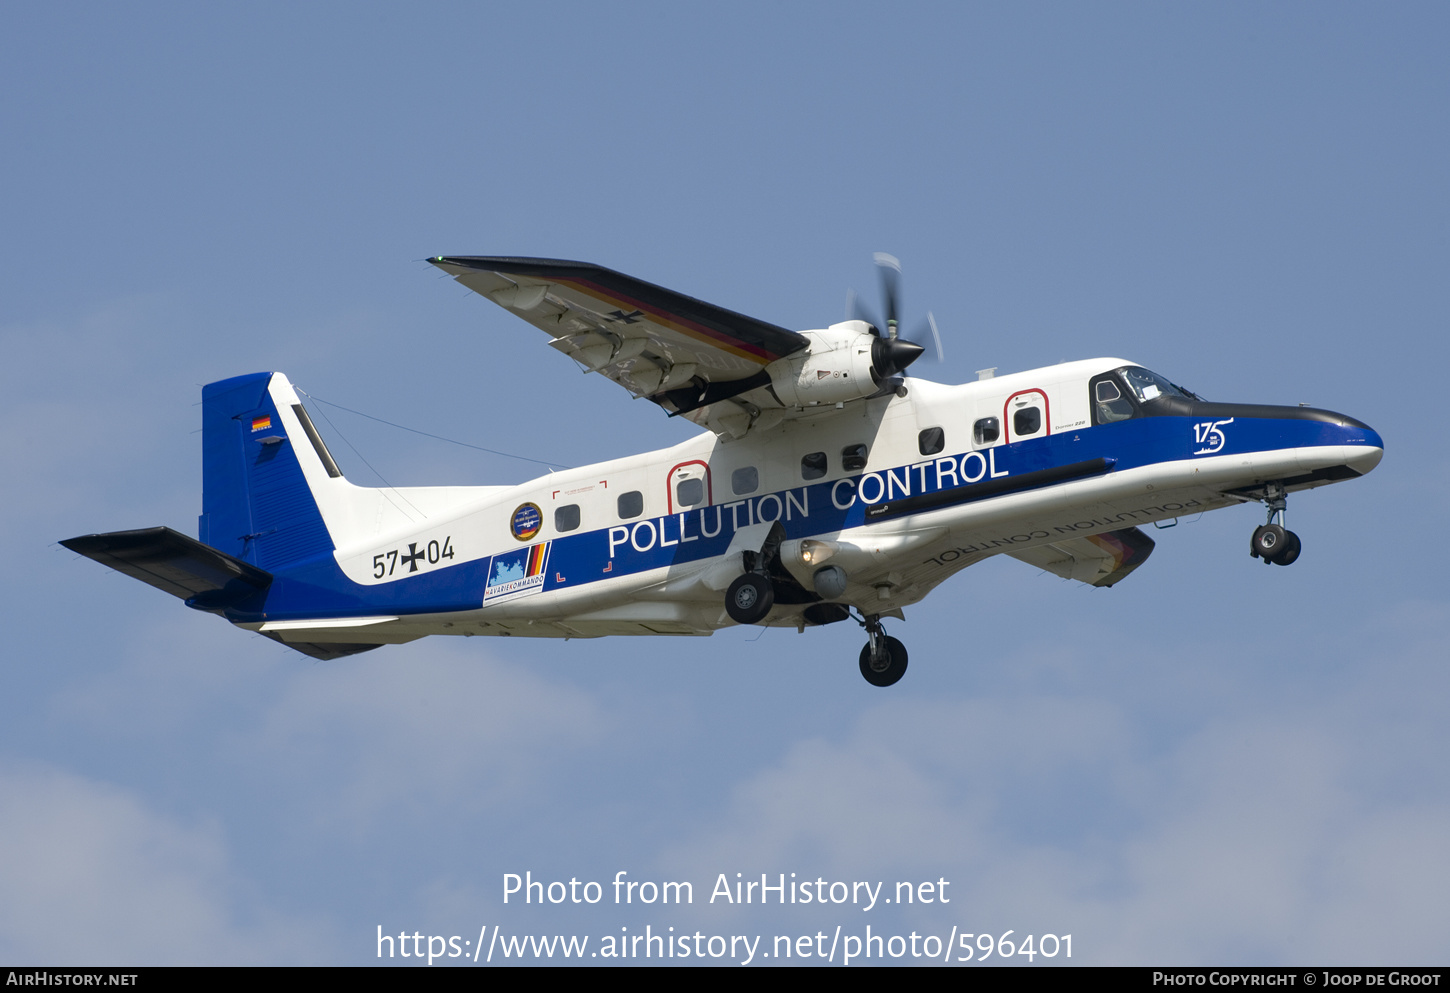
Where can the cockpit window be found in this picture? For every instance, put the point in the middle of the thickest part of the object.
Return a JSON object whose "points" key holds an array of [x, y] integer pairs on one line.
{"points": [[1109, 404], [1149, 385]]}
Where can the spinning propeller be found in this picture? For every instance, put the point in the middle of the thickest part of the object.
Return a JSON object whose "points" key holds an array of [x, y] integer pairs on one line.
{"points": [[891, 354]]}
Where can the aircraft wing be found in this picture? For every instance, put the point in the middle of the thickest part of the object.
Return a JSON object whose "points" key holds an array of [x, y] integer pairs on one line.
{"points": [[1098, 560], [682, 353]]}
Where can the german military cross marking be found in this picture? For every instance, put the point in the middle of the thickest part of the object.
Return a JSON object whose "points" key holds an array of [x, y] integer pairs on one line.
{"points": [[412, 557]]}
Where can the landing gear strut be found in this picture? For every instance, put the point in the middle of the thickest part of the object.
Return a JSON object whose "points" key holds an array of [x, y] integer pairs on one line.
{"points": [[883, 660], [1271, 541]]}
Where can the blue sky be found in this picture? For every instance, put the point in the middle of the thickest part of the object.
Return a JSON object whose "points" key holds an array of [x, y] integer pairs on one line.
{"points": [[1213, 762]]}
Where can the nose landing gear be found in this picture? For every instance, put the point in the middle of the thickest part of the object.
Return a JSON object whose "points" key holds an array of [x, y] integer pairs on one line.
{"points": [[883, 660], [1271, 541]]}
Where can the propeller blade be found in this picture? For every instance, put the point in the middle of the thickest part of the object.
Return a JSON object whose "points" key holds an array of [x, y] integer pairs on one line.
{"points": [[890, 267], [936, 337], [858, 311], [926, 327]]}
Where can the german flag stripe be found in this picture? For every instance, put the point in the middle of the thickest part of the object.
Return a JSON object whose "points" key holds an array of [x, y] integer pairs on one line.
{"points": [[756, 341], [682, 325], [536, 560]]}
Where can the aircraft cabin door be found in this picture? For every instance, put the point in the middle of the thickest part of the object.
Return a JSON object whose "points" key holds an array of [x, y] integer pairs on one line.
{"points": [[688, 487], [1025, 415]]}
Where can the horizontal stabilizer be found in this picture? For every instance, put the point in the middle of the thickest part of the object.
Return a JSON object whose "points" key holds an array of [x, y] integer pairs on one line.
{"points": [[204, 577]]}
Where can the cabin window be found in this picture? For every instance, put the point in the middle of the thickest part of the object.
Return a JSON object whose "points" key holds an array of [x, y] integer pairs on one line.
{"points": [[630, 504], [931, 441], [987, 430], [746, 480], [853, 458], [1028, 420], [566, 518], [689, 492], [813, 466]]}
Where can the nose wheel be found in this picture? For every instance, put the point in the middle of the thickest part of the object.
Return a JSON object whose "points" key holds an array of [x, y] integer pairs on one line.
{"points": [[883, 660], [1272, 542]]}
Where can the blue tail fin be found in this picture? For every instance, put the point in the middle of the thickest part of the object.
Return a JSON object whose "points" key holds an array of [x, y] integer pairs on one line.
{"points": [[256, 502]]}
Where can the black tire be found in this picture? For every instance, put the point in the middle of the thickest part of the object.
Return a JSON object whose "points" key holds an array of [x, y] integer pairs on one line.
{"points": [[1289, 552], [1268, 541], [749, 598], [889, 669]]}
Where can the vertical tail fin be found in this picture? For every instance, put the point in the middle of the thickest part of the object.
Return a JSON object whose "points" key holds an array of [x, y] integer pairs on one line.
{"points": [[264, 468]]}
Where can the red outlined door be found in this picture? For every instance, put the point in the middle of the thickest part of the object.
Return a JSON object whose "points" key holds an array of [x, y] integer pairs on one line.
{"points": [[688, 486], [1025, 415]]}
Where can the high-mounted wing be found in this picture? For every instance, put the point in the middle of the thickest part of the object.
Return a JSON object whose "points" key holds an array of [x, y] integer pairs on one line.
{"points": [[682, 353]]}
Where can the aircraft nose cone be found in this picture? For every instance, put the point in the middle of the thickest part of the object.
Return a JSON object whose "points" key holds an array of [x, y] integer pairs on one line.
{"points": [[1367, 461], [1371, 458], [890, 356]]}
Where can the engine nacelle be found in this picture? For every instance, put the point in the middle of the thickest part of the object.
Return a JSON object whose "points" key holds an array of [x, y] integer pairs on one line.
{"points": [[845, 362], [837, 367]]}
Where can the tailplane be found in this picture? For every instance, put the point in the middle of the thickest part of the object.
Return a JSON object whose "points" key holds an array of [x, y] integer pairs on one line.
{"points": [[168, 560]]}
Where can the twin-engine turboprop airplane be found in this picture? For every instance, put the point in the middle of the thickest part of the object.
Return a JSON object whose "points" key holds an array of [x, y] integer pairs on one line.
{"points": [[826, 487]]}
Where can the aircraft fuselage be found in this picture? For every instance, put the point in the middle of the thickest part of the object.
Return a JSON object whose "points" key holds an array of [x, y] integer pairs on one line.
{"points": [[898, 493]]}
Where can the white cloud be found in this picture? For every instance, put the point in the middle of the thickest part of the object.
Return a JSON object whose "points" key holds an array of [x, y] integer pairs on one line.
{"points": [[438, 725], [91, 875], [1261, 837]]}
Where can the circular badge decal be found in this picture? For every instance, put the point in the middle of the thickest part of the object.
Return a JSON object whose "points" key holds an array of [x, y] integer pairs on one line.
{"points": [[527, 521]]}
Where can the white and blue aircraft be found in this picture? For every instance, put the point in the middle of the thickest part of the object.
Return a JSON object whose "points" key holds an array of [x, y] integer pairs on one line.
{"points": [[826, 486]]}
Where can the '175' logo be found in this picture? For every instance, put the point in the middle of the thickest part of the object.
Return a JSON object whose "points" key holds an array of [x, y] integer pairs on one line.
{"points": [[1209, 437]]}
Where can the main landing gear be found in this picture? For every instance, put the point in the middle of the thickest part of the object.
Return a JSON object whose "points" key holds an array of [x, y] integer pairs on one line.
{"points": [[1272, 542], [883, 660], [749, 598]]}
